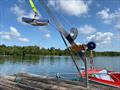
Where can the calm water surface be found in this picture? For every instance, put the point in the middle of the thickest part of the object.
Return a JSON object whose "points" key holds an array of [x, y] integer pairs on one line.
{"points": [[51, 64]]}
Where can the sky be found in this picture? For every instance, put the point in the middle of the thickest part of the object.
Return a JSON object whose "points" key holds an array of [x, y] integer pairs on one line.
{"points": [[95, 20]]}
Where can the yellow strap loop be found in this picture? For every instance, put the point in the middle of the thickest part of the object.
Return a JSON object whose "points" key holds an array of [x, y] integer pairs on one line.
{"points": [[33, 6]]}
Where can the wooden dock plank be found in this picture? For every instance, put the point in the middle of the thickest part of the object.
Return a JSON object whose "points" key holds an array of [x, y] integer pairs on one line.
{"points": [[10, 85], [53, 81], [24, 81]]}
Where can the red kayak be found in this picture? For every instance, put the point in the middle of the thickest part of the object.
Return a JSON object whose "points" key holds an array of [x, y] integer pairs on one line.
{"points": [[103, 77]]}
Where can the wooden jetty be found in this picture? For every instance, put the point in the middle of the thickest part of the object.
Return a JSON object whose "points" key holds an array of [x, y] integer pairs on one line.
{"points": [[24, 81]]}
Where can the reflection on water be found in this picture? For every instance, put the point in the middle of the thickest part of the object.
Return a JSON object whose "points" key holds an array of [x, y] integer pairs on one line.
{"points": [[51, 64], [35, 64], [19, 59], [110, 63]]}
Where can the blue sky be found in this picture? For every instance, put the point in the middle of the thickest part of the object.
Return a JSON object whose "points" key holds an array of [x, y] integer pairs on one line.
{"points": [[96, 20]]}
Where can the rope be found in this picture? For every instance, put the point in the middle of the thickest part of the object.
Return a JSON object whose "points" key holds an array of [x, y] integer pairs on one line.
{"points": [[71, 54], [33, 6], [91, 59], [64, 19], [59, 28], [49, 13]]}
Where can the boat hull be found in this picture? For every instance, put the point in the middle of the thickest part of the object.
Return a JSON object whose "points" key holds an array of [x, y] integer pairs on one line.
{"points": [[105, 82], [114, 82]]}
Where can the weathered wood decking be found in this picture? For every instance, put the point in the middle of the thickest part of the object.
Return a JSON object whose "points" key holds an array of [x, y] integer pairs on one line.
{"points": [[24, 81]]}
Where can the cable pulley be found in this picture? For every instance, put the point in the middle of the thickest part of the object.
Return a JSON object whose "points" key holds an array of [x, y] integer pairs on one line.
{"points": [[74, 33]]}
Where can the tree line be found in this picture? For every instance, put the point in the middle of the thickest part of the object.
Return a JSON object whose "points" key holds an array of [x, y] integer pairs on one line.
{"points": [[35, 50], [30, 50]]}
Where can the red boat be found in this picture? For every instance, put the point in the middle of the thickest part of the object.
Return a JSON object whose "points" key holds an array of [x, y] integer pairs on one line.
{"points": [[103, 77]]}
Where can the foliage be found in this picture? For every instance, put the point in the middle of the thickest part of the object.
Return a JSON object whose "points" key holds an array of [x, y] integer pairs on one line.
{"points": [[35, 50], [30, 50]]}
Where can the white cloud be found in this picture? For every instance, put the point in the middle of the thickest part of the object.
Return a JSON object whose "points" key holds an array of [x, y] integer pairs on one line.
{"points": [[117, 26], [23, 39], [101, 38], [89, 2], [117, 36], [48, 35], [109, 17], [14, 31], [78, 43], [45, 32], [6, 37], [12, 34], [112, 18], [19, 12], [70, 7], [43, 29], [1, 33], [87, 29]]}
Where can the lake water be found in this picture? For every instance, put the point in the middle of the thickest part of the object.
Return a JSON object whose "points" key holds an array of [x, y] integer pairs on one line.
{"points": [[50, 65]]}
